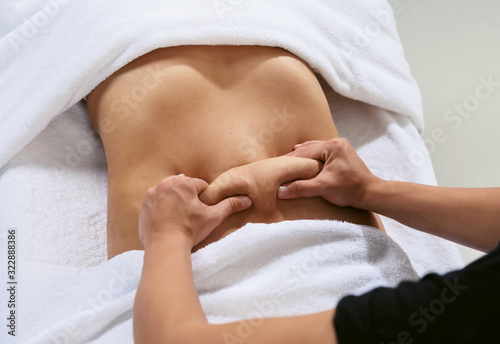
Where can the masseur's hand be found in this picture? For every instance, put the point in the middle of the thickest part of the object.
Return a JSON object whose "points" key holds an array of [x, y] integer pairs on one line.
{"points": [[173, 207], [343, 180]]}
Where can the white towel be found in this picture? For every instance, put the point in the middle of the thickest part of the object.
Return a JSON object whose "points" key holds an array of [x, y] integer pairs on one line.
{"points": [[54, 52], [287, 268]]}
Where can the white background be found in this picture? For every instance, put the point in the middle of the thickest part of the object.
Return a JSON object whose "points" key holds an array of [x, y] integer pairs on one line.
{"points": [[449, 44]]}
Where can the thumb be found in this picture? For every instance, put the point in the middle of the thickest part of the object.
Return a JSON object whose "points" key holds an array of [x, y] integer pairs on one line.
{"points": [[300, 188], [230, 206]]}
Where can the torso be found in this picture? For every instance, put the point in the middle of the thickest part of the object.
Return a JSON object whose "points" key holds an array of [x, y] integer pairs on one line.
{"points": [[200, 110]]}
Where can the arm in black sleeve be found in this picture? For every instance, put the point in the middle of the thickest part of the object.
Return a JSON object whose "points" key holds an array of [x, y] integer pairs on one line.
{"points": [[462, 306]]}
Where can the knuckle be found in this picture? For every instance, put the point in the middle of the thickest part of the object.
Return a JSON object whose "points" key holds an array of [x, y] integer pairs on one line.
{"points": [[163, 184], [343, 143], [233, 205], [150, 193], [342, 140], [337, 145], [297, 188]]}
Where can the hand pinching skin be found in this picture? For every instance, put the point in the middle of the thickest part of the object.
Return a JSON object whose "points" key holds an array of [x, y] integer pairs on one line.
{"points": [[173, 207], [343, 180]]}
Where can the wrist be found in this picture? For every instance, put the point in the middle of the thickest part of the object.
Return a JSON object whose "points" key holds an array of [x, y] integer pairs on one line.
{"points": [[372, 194], [173, 238]]}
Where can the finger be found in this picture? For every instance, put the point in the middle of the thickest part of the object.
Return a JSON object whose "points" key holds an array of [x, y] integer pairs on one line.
{"points": [[299, 168], [300, 188], [302, 145], [199, 184], [227, 184], [307, 143], [312, 151], [230, 206], [169, 181]]}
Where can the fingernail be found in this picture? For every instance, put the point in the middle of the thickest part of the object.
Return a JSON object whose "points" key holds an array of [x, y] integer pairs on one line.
{"points": [[282, 191], [246, 202], [181, 175], [297, 145]]}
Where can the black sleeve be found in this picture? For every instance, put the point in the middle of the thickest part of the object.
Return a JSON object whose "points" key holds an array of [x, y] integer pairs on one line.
{"points": [[462, 306]]}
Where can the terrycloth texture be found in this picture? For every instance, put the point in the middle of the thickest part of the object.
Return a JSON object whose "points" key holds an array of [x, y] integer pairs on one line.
{"points": [[287, 268], [295, 267], [53, 53]]}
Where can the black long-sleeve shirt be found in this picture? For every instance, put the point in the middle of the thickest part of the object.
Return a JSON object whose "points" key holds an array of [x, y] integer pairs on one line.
{"points": [[462, 306]]}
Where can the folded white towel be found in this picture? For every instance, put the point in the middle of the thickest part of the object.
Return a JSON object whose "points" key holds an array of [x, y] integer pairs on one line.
{"points": [[55, 52], [286, 268], [294, 267]]}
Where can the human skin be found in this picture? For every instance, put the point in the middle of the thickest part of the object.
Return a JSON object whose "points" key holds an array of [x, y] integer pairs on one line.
{"points": [[202, 110]]}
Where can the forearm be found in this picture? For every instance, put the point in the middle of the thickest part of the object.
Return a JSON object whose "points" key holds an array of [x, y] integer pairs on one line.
{"points": [[167, 308], [466, 216], [314, 328], [167, 304]]}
